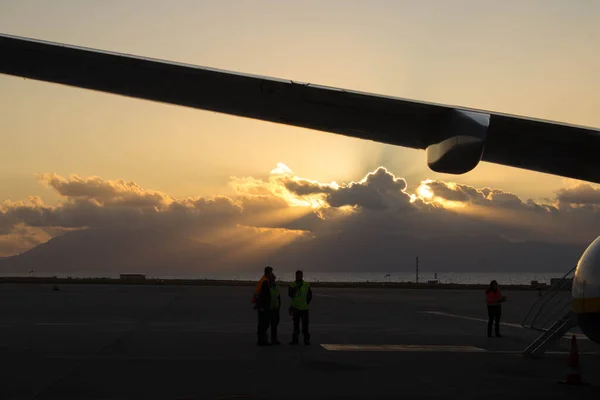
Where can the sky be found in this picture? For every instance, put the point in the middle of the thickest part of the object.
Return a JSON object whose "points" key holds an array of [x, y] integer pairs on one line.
{"points": [[534, 58]]}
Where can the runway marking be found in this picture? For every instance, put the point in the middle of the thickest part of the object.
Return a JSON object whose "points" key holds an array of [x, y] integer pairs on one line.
{"points": [[373, 299], [63, 324], [396, 347], [471, 318], [94, 324], [567, 335]]}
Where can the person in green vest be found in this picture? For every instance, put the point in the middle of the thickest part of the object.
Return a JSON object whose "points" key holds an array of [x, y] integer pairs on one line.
{"points": [[301, 296], [275, 307]]}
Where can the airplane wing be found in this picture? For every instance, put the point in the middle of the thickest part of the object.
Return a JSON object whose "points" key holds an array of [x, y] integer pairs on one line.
{"points": [[455, 138]]}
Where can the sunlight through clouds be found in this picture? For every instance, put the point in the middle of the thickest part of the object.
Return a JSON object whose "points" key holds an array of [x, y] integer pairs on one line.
{"points": [[425, 194], [288, 218]]}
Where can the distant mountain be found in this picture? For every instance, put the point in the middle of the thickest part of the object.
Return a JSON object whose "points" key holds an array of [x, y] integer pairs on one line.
{"points": [[114, 250], [170, 252], [461, 253]]}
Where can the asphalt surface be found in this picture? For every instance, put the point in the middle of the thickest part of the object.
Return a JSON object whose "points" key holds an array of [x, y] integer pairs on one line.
{"points": [[159, 342]]}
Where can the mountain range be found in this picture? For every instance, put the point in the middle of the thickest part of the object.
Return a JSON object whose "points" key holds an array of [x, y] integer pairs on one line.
{"points": [[111, 250]]}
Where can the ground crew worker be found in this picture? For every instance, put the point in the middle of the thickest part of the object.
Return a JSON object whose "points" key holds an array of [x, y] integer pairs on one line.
{"points": [[301, 295], [262, 303], [494, 300], [275, 307]]}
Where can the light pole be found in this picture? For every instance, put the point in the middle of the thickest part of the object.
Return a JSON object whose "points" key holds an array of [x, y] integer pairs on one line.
{"points": [[417, 269]]}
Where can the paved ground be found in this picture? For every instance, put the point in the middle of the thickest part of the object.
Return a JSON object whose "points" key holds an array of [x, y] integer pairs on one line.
{"points": [[150, 342]]}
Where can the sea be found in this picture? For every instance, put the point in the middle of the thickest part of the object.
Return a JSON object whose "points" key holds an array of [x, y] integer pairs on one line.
{"points": [[518, 278], [503, 278]]}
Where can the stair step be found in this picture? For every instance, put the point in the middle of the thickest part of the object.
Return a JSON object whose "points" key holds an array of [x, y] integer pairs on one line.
{"points": [[549, 337], [552, 310]]}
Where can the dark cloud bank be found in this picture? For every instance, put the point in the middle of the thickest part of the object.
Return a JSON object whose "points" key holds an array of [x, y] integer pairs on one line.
{"points": [[376, 224]]}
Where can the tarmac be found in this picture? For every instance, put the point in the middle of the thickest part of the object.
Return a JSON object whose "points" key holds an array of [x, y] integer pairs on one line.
{"points": [[186, 342]]}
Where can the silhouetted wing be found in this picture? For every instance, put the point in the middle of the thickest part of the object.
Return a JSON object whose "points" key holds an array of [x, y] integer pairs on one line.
{"points": [[544, 146]]}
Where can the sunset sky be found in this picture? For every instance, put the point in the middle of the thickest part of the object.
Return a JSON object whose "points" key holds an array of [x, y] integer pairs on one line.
{"points": [[533, 58]]}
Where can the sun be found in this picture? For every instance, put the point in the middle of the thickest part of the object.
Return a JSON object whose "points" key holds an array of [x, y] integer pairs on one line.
{"points": [[425, 192]]}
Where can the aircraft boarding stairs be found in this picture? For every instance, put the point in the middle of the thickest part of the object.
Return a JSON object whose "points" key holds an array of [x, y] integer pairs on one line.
{"points": [[552, 315]]}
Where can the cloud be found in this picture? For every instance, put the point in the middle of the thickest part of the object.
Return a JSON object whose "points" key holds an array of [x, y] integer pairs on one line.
{"points": [[283, 216], [582, 194], [94, 202], [105, 192], [378, 190], [281, 169]]}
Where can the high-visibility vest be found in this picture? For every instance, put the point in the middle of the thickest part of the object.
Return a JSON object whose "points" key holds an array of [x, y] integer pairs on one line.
{"points": [[300, 295], [491, 297], [275, 297], [257, 288]]}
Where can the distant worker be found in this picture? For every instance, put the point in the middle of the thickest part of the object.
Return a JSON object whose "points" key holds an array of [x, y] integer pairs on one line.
{"points": [[275, 307], [494, 301], [301, 295], [262, 303]]}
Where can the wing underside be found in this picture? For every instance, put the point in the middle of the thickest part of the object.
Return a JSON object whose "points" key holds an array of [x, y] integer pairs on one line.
{"points": [[543, 146]]}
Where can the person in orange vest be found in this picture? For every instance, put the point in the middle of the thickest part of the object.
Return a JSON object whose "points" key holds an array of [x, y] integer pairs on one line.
{"points": [[262, 303], [494, 300]]}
